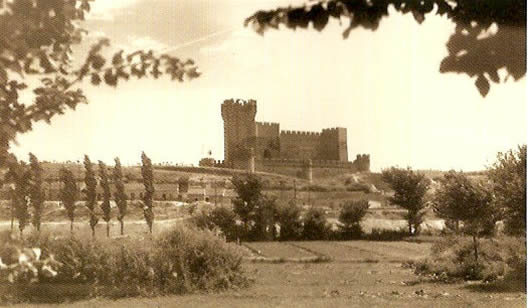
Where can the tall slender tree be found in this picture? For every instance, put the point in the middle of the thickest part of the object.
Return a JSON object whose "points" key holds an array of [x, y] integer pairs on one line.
{"points": [[120, 196], [68, 194], [91, 192], [36, 192], [148, 181], [105, 206], [19, 175]]}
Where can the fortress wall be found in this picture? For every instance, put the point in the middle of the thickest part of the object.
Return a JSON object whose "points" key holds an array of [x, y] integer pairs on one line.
{"points": [[267, 129], [299, 144], [333, 145]]}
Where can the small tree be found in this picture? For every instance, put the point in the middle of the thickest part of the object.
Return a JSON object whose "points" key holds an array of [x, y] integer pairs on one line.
{"points": [[68, 194], [264, 219], [19, 174], [508, 175], [449, 200], [409, 190], [289, 220], [91, 192], [120, 195], [36, 193], [315, 226], [351, 214], [249, 193], [148, 181], [105, 205]]}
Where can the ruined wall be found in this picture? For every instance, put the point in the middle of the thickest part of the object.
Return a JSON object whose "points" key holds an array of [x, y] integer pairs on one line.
{"points": [[239, 129], [299, 145]]}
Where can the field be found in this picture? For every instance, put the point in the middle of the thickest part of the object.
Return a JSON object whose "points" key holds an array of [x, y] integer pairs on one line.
{"points": [[358, 274]]}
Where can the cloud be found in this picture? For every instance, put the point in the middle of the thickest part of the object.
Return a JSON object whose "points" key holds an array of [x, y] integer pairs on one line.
{"points": [[142, 42], [107, 10]]}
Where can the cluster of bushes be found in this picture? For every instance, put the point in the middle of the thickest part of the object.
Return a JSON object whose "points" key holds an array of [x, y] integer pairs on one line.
{"points": [[178, 261], [454, 258]]}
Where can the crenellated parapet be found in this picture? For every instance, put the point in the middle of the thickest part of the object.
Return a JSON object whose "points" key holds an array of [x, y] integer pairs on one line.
{"points": [[299, 133]]}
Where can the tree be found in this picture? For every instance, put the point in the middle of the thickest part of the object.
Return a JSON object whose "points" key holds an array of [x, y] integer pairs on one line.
{"points": [[409, 190], [314, 225], [148, 182], [120, 196], [508, 175], [449, 199], [470, 52], [350, 215], [91, 192], [68, 193], [105, 205], [249, 194], [264, 219], [37, 41], [289, 220], [19, 174], [36, 192]]}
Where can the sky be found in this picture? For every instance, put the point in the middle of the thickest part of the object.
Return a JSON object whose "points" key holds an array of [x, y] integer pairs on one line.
{"points": [[384, 86]]}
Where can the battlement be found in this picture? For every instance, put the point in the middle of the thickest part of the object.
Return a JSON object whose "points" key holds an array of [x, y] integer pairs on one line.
{"points": [[240, 102], [299, 133], [332, 129], [268, 124]]}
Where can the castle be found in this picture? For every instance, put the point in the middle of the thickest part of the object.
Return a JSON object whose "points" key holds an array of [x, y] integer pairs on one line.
{"points": [[262, 146]]}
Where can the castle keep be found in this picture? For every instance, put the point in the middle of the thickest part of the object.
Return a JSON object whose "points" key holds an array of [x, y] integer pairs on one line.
{"points": [[263, 146]]}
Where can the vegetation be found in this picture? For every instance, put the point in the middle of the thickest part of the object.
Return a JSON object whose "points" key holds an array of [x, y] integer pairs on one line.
{"points": [[409, 191], [91, 192], [120, 195], [148, 182], [68, 194], [350, 216], [508, 175], [19, 174], [289, 220], [315, 226], [105, 205], [36, 193]]}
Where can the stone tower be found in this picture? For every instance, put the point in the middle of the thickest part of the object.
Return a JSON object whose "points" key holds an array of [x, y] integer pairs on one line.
{"points": [[239, 131]]}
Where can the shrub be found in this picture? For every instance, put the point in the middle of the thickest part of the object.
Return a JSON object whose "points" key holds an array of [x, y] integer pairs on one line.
{"points": [[358, 187], [289, 219], [386, 235], [222, 219], [314, 225], [179, 261], [350, 216], [453, 258]]}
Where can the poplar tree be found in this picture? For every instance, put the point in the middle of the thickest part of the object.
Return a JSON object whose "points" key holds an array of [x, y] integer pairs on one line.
{"points": [[105, 206], [19, 175], [36, 192], [68, 194], [148, 182], [91, 192], [120, 197]]}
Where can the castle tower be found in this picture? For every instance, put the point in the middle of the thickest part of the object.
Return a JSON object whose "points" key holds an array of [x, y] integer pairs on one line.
{"points": [[239, 131]]}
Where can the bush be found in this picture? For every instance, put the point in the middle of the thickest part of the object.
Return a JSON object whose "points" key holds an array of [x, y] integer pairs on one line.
{"points": [[221, 219], [289, 220], [179, 261], [351, 214], [453, 258], [358, 187], [386, 235], [314, 225]]}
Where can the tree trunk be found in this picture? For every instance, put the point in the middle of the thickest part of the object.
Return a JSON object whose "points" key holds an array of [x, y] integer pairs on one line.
{"points": [[122, 227], [93, 232], [71, 227], [107, 229], [475, 247]]}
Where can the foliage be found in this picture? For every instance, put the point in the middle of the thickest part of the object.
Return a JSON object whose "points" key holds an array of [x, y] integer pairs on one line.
{"points": [[68, 193], [183, 184], [289, 220], [409, 191], [452, 258], [148, 182], [20, 176], [350, 216], [377, 234], [120, 195], [358, 187], [91, 192], [38, 38], [36, 192], [249, 194], [105, 205], [470, 52], [314, 225], [179, 261], [221, 219], [508, 175]]}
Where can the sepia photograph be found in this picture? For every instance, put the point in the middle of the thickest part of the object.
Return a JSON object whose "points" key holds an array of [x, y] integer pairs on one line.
{"points": [[263, 153]]}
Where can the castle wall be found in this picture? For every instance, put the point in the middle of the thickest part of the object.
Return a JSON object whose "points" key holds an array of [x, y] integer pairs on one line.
{"points": [[333, 145], [299, 145], [239, 129], [267, 143]]}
